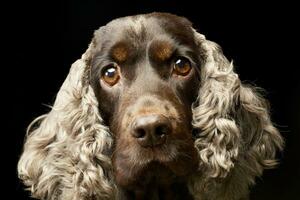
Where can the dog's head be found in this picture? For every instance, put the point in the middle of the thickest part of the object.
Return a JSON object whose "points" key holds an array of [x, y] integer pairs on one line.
{"points": [[149, 103], [146, 73]]}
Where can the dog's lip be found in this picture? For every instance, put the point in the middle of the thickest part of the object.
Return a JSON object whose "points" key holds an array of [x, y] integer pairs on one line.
{"points": [[153, 171], [168, 158]]}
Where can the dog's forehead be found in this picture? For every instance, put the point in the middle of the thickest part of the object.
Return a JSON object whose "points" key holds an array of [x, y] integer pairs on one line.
{"points": [[139, 28]]}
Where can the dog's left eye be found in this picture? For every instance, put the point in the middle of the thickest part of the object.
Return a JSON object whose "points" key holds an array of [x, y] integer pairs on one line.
{"points": [[110, 75], [182, 66]]}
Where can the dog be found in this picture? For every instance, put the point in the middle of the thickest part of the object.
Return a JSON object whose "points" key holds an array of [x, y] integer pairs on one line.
{"points": [[152, 110]]}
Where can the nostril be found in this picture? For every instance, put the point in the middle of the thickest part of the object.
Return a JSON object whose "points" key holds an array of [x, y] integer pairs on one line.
{"points": [[139, 133], [161, 130]]}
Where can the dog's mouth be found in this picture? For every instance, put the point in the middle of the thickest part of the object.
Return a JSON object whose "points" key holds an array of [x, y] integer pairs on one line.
{"points": [[154, 180], [162, 165]]}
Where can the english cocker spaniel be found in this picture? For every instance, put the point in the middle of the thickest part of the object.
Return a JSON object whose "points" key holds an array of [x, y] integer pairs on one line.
{"points": [[152, 110]]}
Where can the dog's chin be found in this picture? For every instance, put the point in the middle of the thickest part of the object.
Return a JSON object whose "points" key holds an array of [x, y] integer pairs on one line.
{"points": [[156, 166]]}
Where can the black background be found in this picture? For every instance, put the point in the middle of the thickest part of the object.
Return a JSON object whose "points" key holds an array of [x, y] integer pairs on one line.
{"points": [[261, 39]]}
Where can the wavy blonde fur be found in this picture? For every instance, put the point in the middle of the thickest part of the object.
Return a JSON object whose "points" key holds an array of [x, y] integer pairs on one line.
{"points": [[236, 138], [64, 157]]}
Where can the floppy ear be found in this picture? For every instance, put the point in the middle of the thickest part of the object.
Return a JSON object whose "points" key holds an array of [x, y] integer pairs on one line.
{"points": [[64, 153], [232, 118]]}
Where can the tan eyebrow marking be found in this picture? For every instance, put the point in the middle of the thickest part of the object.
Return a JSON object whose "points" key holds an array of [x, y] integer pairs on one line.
{"points": [[120, 52], [161, 50]]}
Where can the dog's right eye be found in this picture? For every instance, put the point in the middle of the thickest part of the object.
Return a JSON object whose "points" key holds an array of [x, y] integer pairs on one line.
{"points": [[110, 75]]}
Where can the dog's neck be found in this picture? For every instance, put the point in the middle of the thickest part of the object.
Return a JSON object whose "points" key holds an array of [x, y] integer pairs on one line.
{"points": [[156, 183], [175, 191]]}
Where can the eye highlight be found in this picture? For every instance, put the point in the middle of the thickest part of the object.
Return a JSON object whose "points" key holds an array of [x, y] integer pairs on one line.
{"points": [[110, 75], [182, 66]]}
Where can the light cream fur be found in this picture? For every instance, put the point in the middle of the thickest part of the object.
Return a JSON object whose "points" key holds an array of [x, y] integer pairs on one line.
{"points": [[237, 139], [64, 154]]}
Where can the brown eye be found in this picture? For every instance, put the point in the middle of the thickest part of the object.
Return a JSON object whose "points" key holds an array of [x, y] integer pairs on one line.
{"points": [[182, 66], [110, 75]]}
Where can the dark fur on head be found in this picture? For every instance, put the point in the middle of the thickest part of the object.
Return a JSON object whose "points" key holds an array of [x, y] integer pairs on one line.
{"points": [[86, 147]]}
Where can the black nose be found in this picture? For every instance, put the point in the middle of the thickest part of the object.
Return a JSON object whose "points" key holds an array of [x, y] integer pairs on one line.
{"points": [[151, 130]]}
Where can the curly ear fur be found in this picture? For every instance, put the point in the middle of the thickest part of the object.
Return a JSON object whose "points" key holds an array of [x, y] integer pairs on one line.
{"points": [[236, 137], [219, 136], [64, 156]]}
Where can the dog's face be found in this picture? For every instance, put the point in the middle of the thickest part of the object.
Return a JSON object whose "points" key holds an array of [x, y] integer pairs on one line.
{"points": [[122, 123], [146, 72]]}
